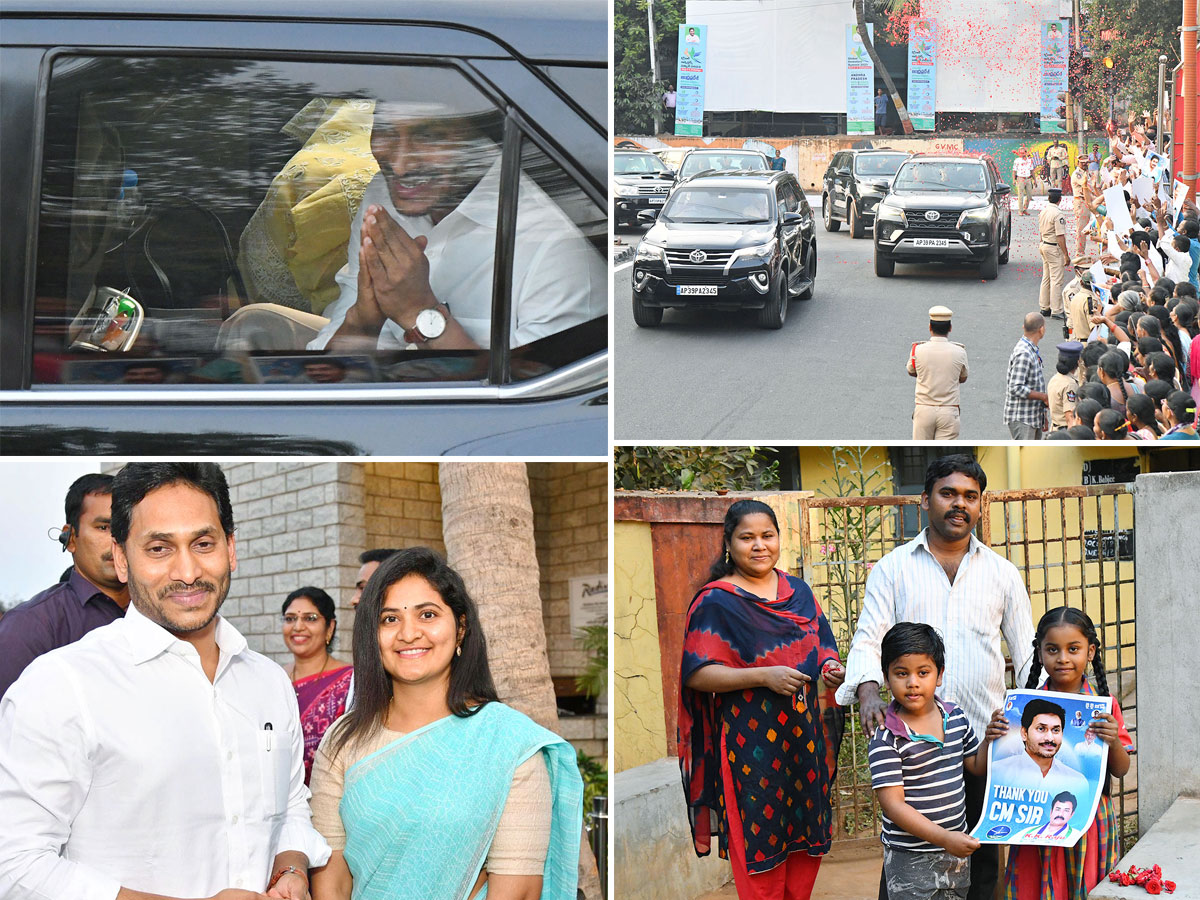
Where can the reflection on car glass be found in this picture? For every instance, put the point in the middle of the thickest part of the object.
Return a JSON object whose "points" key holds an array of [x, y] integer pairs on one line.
{"points": [[315, 369], [118, 370], [227, 200]]}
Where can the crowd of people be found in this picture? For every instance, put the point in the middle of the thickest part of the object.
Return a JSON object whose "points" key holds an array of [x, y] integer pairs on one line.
{"points": [[1129, 366], [763, 697], [146, 753]]}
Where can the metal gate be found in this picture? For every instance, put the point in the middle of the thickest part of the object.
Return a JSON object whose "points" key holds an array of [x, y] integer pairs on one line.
{"points": [[1072, 545]]}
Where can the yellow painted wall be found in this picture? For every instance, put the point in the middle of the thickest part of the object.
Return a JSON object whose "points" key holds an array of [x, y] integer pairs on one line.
{"points": [[637, 670]]}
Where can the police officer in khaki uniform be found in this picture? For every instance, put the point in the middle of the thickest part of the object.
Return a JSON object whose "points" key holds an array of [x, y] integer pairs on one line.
{"points": [[1079, 300], [1063, 389], [940, 366], [1052, 230]]}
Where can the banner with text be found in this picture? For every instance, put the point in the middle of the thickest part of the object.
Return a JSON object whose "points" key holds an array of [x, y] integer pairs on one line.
{"points": [[689, 80], [1045, 775], [1056, 49], [860, 79], [922, 73]]}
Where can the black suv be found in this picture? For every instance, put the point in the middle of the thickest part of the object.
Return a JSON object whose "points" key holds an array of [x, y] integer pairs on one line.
{"points": [[951, 209], [184, 189], [641, 181], [849, 191], [728, 240]]}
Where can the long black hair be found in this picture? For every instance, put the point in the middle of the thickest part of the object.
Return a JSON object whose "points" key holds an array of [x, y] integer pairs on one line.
{"points": [[471, 685], [737, 511], [1077, 618]]}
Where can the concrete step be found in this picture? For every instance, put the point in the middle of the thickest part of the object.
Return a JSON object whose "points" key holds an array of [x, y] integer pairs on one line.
{"points": [[1172, 844]]}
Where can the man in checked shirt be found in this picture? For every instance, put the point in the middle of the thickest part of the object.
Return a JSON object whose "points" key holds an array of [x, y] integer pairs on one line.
{"points": [[947, 578], [1025, 398]]}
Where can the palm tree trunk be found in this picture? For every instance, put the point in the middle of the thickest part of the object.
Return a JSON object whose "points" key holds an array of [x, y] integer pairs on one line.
{"points": [[487, 525], [901, 109]]}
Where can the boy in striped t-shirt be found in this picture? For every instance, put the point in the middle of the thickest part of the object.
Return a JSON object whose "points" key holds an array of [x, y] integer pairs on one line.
{"points": [[917, 760]]}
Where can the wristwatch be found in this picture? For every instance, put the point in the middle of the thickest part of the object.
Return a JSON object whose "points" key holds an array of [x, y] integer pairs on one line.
{"points": [[429, 326]]}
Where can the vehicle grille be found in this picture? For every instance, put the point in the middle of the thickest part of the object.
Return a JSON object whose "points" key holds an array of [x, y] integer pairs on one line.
{"points": [[653, 190], [716, 259], [915, 218], [696, 276]]}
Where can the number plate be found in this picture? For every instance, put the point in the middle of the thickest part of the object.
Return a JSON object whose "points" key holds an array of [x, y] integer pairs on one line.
{"points": [[708, 290], [657, 201], [931, 242]]}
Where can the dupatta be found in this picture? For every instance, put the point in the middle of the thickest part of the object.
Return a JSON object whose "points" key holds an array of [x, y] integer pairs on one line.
{"points": [[420, 814]]}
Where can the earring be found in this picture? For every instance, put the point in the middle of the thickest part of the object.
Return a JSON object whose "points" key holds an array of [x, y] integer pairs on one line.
{"points": [[458, 650], [727, 559]]}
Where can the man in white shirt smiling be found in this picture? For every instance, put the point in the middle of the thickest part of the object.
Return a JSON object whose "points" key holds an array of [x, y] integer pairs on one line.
{"points": [[947, 578], [158, 756], [422, 245]]}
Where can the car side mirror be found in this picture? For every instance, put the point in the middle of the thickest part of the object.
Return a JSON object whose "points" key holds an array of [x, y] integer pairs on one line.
{"points": [[792, 218], [647, 216], [881, 186], [1002, 189], [109, 321]]}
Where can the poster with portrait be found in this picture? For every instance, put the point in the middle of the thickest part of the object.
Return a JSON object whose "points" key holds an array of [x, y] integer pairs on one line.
{"points": [[689, 80], [1044, 776], [1056, 48], [860, 83], [922, 73]]}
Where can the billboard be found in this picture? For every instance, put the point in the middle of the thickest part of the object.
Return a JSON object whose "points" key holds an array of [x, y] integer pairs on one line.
{"points": [[689, 79], [1056, 47], [922, 73], [860, 80]]}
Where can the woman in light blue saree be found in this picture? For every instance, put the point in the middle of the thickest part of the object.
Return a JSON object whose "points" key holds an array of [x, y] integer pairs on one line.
{"points": [[429, 787]]}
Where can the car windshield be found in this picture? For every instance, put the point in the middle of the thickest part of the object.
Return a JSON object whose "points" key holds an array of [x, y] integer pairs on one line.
{"points": [[713, 205], [638, 163], [704, 162], [947, 175], [879, 163]]}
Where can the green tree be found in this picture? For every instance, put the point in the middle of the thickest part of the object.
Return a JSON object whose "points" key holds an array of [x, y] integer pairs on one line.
{"points": [[1138, 31], [636, 95], [694, 469]]}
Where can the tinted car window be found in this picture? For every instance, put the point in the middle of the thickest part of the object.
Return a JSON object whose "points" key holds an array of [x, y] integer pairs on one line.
{"points": [[878, 163], [704, 204], [225, 200], [703, 162], [635, 163], [946, 175]]}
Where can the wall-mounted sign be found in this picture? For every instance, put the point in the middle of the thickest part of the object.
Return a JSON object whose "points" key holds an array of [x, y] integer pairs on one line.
{"points": [[1110, 471], [1108, 545], [588, 596]]}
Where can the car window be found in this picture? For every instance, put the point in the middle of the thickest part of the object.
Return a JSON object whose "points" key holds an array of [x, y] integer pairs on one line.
{"points": [[878, 163], [559, 272], [947, 175], [788, 200], [637, 163], [711, 204], [704, 162], [202, 221]]}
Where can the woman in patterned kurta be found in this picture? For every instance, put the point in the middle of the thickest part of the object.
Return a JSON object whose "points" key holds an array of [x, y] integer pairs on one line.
{"points": [[757, 754]]}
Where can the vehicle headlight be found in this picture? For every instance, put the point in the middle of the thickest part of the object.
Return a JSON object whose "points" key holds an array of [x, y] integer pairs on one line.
{"points": [[979, 214], [759, 251], [627, 190], [647, 252], [890, 213]]}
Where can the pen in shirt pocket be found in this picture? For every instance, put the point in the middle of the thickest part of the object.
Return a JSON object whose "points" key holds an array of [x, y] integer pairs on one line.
{"points": [[269, 729]]}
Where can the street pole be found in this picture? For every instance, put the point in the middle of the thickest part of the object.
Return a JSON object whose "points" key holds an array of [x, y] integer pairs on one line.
{"points": [[1188, 176], [1079, 139], [654, 66], [1160, 131]]}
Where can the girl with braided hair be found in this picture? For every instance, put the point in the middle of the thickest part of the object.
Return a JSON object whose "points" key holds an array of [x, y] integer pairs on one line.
{"points": [[1112, 370], [1064, 644]]}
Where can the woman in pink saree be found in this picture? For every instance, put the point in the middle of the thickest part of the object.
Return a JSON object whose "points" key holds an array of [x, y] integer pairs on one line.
{"points": [[321, 680]]}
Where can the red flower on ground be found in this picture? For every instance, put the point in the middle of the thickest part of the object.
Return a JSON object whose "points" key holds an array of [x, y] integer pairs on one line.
{"points": [[1153, 886]]}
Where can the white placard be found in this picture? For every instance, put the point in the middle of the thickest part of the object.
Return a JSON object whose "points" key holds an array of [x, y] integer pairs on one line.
{"points": [[1181, 191], [588, 601], [1114, 248], [1143, 189], [1118, 212], [1099, 276]]}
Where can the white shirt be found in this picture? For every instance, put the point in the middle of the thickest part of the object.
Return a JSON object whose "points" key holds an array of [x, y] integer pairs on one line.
{"points": [[559, 279], [1021, 770], [122, 765], [1179, 262], [986, 600], [1023, 167]]}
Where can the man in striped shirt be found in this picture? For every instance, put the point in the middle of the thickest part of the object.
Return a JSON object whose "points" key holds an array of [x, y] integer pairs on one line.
{"points": [[917, 758], [947, 578]]}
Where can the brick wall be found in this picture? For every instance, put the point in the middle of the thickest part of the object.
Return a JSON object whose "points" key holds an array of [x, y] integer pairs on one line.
{"points": [[403, 506]]}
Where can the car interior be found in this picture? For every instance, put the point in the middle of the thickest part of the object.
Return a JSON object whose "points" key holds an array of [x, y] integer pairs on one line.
{"points": [[194, 213]]}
